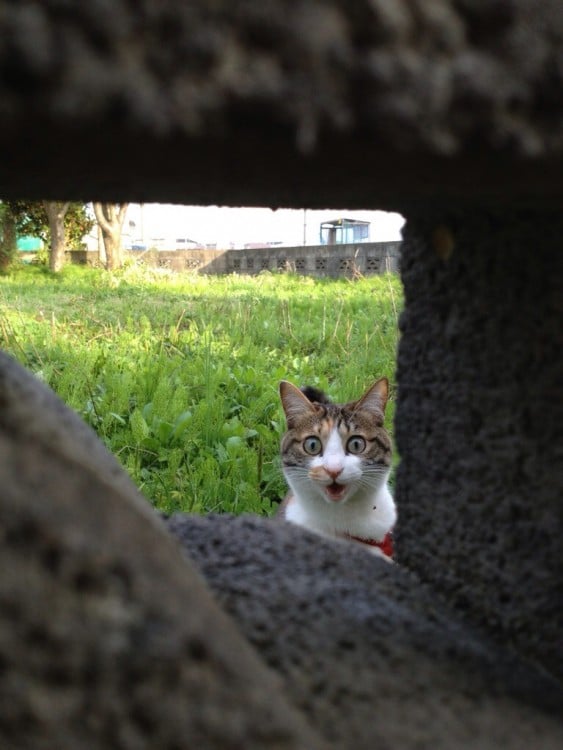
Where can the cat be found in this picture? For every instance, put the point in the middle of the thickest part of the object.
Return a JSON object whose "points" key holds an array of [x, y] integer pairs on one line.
{"points": [[336, 460]]}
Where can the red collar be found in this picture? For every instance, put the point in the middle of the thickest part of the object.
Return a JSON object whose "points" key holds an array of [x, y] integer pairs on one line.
{"points": [[386, 545]]}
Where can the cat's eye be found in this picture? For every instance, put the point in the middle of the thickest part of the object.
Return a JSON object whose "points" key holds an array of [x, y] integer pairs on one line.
{"points": [[312, 445], [356, 444]]}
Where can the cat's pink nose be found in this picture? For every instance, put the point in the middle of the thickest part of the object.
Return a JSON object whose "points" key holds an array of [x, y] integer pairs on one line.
{"points": [[333, 473]]}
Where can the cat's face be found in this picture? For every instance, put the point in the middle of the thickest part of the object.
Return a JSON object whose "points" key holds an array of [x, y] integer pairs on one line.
{"points": [[335, 452]]}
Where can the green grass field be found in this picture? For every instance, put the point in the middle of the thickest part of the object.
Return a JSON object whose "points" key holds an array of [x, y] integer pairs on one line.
{"points": [[178, 374]]}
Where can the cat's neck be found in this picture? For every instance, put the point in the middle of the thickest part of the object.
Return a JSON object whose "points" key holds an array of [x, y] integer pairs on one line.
{"points": [[370, 514]]}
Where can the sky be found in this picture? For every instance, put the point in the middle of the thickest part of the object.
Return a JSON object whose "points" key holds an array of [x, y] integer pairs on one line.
{"points": [[228, 227]]}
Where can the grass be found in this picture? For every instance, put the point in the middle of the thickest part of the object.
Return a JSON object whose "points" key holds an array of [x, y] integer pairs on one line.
{"points": [[178, 374]]}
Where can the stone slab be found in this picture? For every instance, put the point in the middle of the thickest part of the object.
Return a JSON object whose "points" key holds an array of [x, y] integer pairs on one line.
{"points": [[479, 415], [261, 103], [366, 651], [108, 636]]}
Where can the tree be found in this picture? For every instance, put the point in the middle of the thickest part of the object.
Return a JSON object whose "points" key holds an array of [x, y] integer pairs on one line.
{"points": [[7, 236], [59, 224], [110, 217], [56, 212]]}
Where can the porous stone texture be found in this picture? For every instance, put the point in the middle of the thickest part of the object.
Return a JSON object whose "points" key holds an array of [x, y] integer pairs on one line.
{"points": [[449, 111], [108, 637], [367, 652], [281, 103], [480, 419]]}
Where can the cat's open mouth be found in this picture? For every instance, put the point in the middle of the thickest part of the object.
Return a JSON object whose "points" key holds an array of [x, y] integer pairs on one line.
{"points": [[335, 491]]}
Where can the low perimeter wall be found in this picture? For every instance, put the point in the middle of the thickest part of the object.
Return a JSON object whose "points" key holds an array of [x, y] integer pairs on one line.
{"points": [[364, 259]]}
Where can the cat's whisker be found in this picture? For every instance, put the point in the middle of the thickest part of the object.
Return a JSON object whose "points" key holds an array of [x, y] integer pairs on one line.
{"points": [[371, 486], [374, 478]]}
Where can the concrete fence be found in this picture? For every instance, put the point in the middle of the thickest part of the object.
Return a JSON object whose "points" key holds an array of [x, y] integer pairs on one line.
{"points": [[363, 259]]}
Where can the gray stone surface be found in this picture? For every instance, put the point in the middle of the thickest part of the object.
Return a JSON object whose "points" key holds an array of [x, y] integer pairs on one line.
{"points": [[200, 101], [108, 637], [450, 111], [365, 650], [480, 419]]}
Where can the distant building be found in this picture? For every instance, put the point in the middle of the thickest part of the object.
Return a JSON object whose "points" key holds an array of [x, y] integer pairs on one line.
{"points": [[260, 245], [28, 247], [29, 244], [185, 243], [344, 231]]}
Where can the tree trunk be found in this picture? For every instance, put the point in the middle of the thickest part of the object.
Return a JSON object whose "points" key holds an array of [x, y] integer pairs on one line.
{"points": [[8, 237], [56, 212], [110, 218], [113, 252], [101, 248]]}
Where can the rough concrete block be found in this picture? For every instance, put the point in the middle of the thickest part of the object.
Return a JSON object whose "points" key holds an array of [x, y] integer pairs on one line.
{"points": [[108, 637], [366, 651], [317, 104], [479, 420]]}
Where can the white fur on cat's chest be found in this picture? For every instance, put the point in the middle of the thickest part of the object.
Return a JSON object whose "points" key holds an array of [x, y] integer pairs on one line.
{"points": [[354, 518]]}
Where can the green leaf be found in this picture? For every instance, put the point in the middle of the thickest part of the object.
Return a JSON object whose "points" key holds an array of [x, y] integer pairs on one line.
{"points": [[181, 423], [163, 431], [139, 427]]}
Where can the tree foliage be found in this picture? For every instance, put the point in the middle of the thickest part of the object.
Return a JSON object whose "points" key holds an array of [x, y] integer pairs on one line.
{"points": [[31, 218]]}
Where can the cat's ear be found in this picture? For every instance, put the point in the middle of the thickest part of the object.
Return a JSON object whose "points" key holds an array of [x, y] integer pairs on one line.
{"points": [[375, 398], [295, 403]]}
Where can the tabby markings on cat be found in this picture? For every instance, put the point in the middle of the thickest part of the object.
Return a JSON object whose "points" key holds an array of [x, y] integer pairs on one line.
{"points": [[336, 460]]}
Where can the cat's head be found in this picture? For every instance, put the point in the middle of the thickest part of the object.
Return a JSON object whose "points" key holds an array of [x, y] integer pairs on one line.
{"points": [[335, 452]]}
